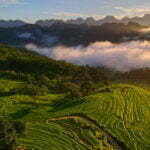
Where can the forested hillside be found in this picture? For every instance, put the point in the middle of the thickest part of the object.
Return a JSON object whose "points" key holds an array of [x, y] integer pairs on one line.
{"points": [[48, 104]]}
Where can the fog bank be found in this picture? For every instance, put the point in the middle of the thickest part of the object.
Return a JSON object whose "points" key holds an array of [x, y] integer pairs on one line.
{"points": [[123, 57]]}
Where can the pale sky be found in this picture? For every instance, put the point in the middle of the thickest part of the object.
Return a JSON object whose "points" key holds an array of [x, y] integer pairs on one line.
{"points": [[32, 10]]}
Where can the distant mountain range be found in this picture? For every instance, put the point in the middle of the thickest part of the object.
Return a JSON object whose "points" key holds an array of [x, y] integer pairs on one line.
{"points": [[72, 34], [145, 20], [11, 23]]}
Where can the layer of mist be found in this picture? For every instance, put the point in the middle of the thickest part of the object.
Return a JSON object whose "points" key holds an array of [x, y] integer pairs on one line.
{"points": [[122, 57], [145, 30]]}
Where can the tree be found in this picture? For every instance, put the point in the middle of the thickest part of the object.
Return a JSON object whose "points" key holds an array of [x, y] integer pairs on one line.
{"points": [[87, 88], [34, 90], [8, 134], [42, 80], [72, 90]]}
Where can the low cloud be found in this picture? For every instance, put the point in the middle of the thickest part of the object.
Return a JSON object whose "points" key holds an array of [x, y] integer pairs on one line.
{"points": [[133, 11], [123, 57], [70, 15], [145, 30]]}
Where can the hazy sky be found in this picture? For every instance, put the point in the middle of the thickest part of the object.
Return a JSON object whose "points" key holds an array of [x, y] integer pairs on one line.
{"points": [[31, 10]]}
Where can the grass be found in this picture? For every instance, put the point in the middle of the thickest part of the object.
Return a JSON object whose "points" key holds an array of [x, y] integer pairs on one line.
{"points": [[61, 135], [6, 85], [123, 112]]}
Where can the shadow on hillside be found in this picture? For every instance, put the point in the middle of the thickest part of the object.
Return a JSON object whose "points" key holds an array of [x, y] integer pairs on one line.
{"points": [[4, 94], [20, 113], [35, 104], [65, 103]]}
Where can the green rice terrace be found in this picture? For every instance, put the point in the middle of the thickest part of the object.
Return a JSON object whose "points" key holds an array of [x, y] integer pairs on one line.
{"points": [[77, 115]]}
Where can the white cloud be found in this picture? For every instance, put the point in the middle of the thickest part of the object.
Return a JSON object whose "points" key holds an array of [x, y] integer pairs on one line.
{"points": [[11, 2], [133, 11], [70, 14], [123, 57], [45, 13]]}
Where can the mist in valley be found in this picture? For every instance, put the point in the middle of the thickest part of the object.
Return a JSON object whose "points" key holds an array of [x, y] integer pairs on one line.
{"points": [[122, 57]]}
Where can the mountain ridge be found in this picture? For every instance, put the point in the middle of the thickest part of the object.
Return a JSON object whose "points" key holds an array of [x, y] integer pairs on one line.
{"points": [[145, 20]]}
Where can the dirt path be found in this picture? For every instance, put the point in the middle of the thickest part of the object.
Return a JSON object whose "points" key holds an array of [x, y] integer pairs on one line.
{"points": [[112, 140]]}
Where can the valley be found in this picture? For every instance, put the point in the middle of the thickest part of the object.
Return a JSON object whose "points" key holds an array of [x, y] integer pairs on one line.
{"points": [[73, 107]]}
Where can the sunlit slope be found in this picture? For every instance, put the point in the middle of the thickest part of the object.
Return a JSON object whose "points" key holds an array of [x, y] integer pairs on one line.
{"points": [[121, 110], [35, 110], [64, 135], [124, 112]]}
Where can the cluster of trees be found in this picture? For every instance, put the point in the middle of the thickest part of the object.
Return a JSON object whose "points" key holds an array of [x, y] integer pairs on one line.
{"points": [[43, 74], [73, 90], [22, 63], [137, 75], [9, 130]]}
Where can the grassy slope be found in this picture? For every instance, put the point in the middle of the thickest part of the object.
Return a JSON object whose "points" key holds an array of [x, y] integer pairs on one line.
{"points": [[41, 136], [124, 113]]}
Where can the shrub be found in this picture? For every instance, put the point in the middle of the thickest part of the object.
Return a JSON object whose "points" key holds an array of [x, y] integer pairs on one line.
{"points": [[87, 88], [72, 90], [8, 132], [35, 90]]}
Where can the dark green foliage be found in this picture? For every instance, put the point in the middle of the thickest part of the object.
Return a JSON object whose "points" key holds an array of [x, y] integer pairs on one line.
{"points": [[42, 80], [138, 75], [20, 127], [8, 134], [88, 87], [35, 90], [23, 65], [28, 89], [67, 87], [72, 90], [21, 113]]}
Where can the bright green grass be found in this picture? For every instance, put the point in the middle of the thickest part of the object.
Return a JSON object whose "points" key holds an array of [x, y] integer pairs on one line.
{"points": [[48, 136], [124, 113], [6, 85], [61, 135]]}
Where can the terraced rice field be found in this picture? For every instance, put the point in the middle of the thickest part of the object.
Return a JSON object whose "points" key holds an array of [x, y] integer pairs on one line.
{"points": [[66, 134], [123, 113]]}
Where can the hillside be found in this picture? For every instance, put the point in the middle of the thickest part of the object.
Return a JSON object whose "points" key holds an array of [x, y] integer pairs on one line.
{"points": [[61, 110], [123, 113]]}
